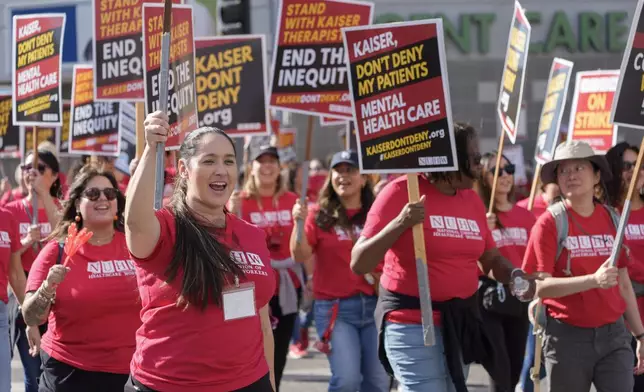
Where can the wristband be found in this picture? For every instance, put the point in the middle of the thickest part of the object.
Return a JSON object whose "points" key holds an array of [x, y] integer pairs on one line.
{"points": [[640, 336]]}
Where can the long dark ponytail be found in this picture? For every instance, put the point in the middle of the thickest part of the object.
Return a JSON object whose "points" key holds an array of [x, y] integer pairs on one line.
{"points": [[198, 254]]}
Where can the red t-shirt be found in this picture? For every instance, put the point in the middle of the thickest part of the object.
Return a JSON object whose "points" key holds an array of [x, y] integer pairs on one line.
{"points": [[11, 196], [590, 240], [512, 239], [634, 240], [22, 214], [538, 207], [189, 350], [333, 277], [274, 217], [96, 314], [456, 235], [9, 244]]}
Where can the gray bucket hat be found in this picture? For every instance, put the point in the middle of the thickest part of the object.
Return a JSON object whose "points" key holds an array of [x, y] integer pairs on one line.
{"points": [[574, 150]]}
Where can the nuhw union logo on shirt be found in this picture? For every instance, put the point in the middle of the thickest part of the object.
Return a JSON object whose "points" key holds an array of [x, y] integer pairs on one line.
{"points": [[590, 246], [45, 229], [453, 227], [110, 269], [634, 232], [270, 218], [5, 240], [510, 236], [250, 263]]}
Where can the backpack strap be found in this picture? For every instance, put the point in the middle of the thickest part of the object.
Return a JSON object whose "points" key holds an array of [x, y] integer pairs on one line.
{"points": [[615, 217], [61, 247], [558, 211]]}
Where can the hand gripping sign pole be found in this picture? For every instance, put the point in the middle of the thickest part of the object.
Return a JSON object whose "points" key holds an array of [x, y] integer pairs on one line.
{"points": [[426, 310], [305, 177], [163, 101]]}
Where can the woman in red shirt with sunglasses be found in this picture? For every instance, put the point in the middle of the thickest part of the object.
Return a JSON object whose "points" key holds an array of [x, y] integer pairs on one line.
{"points": [[90, 298], [42, 182]]}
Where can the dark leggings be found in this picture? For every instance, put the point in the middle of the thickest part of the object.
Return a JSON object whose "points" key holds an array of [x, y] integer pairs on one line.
{"points": [[281, 338], [509, 335], [58, 376], [261, 385]]}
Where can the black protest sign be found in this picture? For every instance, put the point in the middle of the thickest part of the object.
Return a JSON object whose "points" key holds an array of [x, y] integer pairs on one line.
{"points": [[516, 58], [628, 104], [553, 108], [94, 128], [231, 84], [9, 133], [37, 62], [128, 138], [399, 86]]}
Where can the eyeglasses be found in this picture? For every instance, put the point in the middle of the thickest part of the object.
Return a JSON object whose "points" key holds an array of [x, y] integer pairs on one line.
{"points": [[29, 167], [93, 194], [509, 168]]}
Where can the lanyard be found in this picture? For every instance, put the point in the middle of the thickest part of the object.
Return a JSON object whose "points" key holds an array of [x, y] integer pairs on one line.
{"points": [[265, 220]]}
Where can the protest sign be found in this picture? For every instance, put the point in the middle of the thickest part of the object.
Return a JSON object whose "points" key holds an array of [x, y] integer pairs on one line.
{"points": [[118, 49], [309, 75], [64, 132], [399, 85], [591, 107], [128, 138], [516, 59], [182, 98], [43, 134], [9, 133], [94, 128], [328, 122], [37, 61], [553, 108], [628, 105], [231, 84]]}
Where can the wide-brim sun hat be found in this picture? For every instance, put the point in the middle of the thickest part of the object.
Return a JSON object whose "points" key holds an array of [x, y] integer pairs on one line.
{"points": [[570, 150]]}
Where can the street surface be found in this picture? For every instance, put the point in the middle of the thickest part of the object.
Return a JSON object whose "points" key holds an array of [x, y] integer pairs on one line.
{"points": [[301, 375]]}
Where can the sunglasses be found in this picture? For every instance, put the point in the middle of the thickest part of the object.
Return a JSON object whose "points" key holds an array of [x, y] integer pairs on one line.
{"points": [[627, 165], [509, 168], [29, 167], [93, 194]]}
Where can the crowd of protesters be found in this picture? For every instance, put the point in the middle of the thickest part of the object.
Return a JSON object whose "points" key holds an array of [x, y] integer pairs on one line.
{"points": [[216, 290]]}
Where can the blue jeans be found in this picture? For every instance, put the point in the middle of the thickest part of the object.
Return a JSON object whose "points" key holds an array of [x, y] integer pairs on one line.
{"points": [[5, 350], [526, 384], [30, 365], [304, 320], [418, 368], [354, 350]]}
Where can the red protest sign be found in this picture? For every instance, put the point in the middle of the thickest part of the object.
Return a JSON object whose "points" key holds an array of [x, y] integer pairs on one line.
{"points": [[591, 109], [37, 61], [118, 49], [94, 128], [309, 72], [328, 122], [182, 98], [400, 91]]}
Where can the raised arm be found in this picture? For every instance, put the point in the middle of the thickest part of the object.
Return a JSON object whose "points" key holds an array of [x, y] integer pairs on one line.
{"points": [[142, 229], [303, 251]]}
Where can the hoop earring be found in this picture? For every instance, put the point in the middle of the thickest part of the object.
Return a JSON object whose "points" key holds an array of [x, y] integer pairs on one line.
{"points": [[78, 217]]}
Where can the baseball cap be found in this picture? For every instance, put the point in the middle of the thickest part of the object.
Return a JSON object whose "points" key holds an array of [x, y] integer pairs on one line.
{"points": [[349, 157], [266, 150]]}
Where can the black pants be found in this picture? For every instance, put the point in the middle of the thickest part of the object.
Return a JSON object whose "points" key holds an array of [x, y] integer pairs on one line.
{"points": [[639, 380], [509, 334], [261, 385], [281, 338], [58, 376]]}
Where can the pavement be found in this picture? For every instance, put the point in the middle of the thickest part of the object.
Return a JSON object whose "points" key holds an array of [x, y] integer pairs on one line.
{"points": [[310, 374]]}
